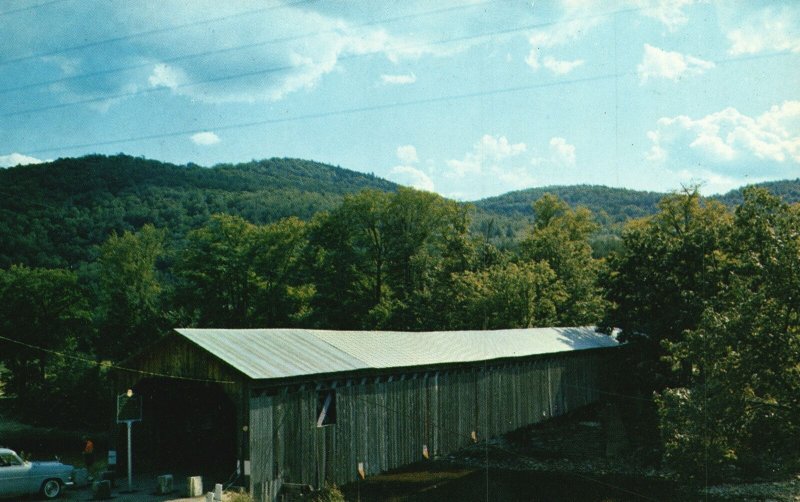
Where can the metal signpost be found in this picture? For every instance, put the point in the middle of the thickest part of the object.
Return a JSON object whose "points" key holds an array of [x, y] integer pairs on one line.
{"points": [[129, 410]]}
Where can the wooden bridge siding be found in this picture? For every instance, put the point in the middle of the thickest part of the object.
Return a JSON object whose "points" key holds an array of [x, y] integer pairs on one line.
{"points": [[384, 423]]}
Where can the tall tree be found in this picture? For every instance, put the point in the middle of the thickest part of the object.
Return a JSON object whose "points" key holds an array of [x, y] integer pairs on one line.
{"points": [[46, 311], [560, 238], [740, 407], [660, 283], [512, 295], [218, 281], [130, 298], [348, 247], [282, 291], [376, 254]]}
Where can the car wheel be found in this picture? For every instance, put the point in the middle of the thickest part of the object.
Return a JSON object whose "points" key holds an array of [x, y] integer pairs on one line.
{"points": [[51, 488]]}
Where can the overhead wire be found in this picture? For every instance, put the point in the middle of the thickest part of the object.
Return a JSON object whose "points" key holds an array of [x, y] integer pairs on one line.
{"points": [[243, 47], [275, 69], [155, 31], [332, 113], [110, 365], [30, 7], [361, 109]]}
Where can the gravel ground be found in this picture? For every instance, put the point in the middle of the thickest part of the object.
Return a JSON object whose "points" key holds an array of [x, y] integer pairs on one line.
{"points": [[144, 490]]}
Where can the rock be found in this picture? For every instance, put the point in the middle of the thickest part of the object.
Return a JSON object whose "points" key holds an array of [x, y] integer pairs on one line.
{"points": [[194, 486], [101, 490]]}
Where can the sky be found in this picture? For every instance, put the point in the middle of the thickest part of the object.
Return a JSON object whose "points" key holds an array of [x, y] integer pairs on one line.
{"points": [[466, 98]]}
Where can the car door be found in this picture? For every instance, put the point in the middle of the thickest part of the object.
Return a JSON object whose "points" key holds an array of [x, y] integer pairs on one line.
{"points": [[14, 475]]}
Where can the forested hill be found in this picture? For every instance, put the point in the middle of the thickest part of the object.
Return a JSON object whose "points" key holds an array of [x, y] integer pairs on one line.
{"points": [[55, 214], [609, 205], [613, 206]]}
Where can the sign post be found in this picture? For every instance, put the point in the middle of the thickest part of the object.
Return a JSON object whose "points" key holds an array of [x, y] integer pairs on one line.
{"points": [[129, 410]]}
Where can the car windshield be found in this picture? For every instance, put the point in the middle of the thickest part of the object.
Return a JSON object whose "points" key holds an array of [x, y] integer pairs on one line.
{"points": [[9, 459]]}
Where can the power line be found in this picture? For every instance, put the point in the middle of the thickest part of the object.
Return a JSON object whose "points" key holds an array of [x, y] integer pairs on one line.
{"points": [[348, 111], [265, 71], [241, 47], [332, 113], [151, 32], [30, 7], [102, 364]]}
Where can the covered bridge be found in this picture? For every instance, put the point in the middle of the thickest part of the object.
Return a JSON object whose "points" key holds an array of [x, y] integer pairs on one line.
{"points": [[309, 406]]}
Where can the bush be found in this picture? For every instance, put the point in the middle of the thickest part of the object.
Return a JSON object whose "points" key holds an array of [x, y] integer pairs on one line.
{"points": [[697, 444], [238, 497], [331, 493]]}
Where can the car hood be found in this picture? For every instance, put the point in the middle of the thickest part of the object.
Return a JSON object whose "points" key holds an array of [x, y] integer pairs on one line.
{"points": [[51, 465]]}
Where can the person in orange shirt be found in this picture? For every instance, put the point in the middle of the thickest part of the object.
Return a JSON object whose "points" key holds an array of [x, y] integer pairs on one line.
{"points": [[88, 452]]}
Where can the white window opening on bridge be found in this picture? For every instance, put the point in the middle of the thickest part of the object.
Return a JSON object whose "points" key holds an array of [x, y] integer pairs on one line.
{"points": [[326, 408]]}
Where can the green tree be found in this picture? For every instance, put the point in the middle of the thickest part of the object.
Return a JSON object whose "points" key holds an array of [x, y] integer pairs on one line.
{"points": [[560, 238], [218, 282], [131, 294], [428, 241], [377, 256], [661, 282], [348, 247], [46, 312], [282, 293], [743, 354], [513, 295]]}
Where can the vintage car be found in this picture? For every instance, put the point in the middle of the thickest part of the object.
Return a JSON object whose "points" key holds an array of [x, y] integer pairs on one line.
{"points": [[20, 477]]}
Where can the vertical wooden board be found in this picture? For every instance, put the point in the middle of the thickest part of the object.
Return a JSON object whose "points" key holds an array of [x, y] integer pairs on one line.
{"points": [[441, 403], [544, 391], [341, 455], [383, 424], [410, 419], [376, 439], [280, 434], [260, 439], [391, 424], [352, 439], [483, 394], [434, 413]]}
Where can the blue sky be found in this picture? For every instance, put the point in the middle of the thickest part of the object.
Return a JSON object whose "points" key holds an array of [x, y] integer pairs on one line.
{"points": [[468, 98]]}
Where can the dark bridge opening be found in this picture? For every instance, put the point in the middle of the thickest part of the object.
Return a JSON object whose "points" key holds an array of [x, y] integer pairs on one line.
{"points": [[188, 428]]}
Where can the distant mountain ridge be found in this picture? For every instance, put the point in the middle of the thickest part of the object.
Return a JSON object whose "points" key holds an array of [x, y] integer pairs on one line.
{"points": [[57, 214], [614, 206]]}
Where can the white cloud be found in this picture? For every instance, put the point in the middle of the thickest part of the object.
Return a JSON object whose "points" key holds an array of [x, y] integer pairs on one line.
{"points": [[729, 136], [399, 79], [407, 154], [711, 182], [165, 76], [669, 12], [767, 31], [18, 159], [68, 66], [489, 152], [413, 177], [560, 67], [407, 174], [658, 63], [562, 153], [272, 71], [516, 178], [205, 138], [556, 36]]}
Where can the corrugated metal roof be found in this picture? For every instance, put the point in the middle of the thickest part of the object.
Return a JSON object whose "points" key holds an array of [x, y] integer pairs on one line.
{"points": [[282, 353]]}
